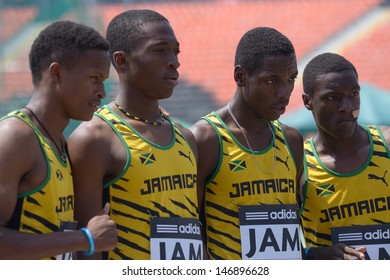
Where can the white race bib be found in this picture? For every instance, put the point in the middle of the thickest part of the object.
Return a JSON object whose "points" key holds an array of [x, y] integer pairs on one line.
{"points": [[375, 237], [269, 232], [175, 239]]}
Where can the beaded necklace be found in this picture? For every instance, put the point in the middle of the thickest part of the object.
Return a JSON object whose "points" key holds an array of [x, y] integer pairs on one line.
{"points": [[61, 150], [138, 118]]}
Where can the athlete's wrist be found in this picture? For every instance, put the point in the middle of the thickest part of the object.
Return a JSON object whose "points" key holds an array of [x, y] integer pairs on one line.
{"points": [[91, 242]]}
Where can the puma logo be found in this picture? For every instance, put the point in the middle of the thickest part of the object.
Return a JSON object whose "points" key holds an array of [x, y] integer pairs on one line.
{"points": [[374, 177], [188, 157], [59, 175], [284, 162]]}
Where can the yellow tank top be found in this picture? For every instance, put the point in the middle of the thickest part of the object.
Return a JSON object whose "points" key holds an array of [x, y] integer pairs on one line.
{"points": [[238, 181], [41, 210], [339, 200], [157, 181]]}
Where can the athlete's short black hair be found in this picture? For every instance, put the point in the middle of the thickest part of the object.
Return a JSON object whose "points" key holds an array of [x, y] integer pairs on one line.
{"points": [[64, 42], [323, 64], [125, 29], [258, 43]]}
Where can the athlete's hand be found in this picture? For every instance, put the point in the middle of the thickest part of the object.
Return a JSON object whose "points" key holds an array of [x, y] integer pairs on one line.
{"points": [[354, 253], [338, 251], [103, 230]]}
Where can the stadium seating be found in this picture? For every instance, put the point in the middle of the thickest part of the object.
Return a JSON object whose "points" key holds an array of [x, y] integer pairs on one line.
{"points": [[370, 54], [15, 18], [209, 31]]}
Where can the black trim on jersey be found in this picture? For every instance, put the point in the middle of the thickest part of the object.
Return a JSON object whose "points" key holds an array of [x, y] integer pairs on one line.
{"points": [[31, 229], [42, 221], [182, 206], [121, 256], [380, 154], [209, 190], [224, 210], [309, 164], [218, 232], [318, 234], [127, 215], [177, 140], [225, 139], [379, 221], [192, 203], [133, 245], [376, 142], [164, 209], [136, 232], [222, 220], [117, 187], [222, 246], [14, 222], [136, 207], [32, 200], [304, 218], [280, 139]]}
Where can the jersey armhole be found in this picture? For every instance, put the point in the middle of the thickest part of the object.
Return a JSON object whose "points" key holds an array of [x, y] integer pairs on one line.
{"points": [[214, 174], [106, 185]]}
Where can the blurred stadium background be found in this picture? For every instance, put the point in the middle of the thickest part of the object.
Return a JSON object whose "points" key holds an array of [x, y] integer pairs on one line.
{"points": [[208, 31]]}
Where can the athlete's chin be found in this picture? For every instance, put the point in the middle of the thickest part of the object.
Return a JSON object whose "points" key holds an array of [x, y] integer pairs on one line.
{"points": [[343, 134], [166, 94], [84, 117], [274, 117], [277, 112]]}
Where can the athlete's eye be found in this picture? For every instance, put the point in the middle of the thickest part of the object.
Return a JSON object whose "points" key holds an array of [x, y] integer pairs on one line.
{"points": [[355, 94], [292, 79], [330, 97], [159, 50]]}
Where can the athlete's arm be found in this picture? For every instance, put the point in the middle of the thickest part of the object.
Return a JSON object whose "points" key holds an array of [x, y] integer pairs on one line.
{"points": [[208, 155], [336, 252], [295, 142], [23, 168], [89, 151], [386, 134]]}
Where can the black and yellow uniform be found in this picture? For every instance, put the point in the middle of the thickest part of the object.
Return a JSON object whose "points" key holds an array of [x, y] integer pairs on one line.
{"points": [[157, 181], [238, 181], [41, 210], [334, 200]]}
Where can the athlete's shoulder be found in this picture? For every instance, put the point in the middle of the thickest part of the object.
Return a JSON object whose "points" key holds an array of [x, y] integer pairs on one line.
{"points": [[203, 130], [19, 145], [93, 133], [293, 136], [295, 142], [17, 130], [385, 130]]}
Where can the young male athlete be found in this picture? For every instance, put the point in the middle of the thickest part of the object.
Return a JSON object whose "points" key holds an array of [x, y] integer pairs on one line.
{"points": [[346, 197], [68, 63], [135, 157], [248, 161]]}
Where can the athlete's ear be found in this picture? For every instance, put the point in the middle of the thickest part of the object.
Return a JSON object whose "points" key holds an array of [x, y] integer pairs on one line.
{"points": [[54, 70], [239, 75], [307, 101], [120, 60]]}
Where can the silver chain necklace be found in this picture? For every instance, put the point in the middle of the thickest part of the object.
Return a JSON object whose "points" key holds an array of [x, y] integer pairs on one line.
{"points": [[249, 145], [61, 150]]}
